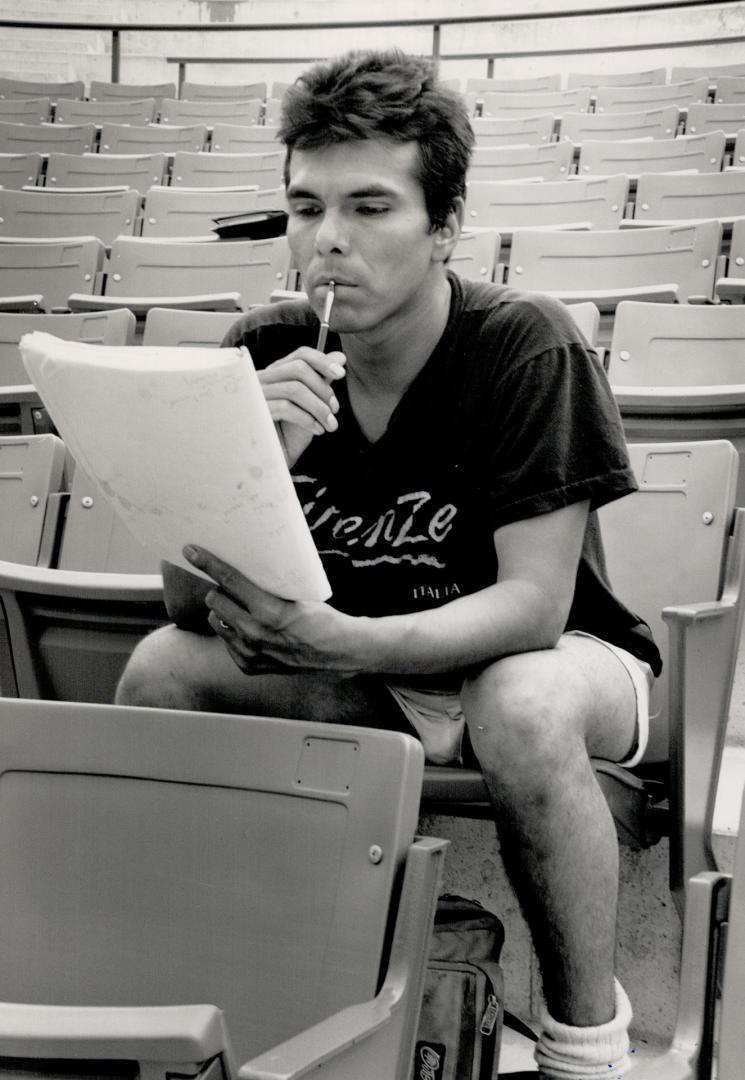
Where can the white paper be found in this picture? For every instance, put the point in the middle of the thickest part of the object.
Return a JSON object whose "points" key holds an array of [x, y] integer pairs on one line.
{"points": [[181, 442]]}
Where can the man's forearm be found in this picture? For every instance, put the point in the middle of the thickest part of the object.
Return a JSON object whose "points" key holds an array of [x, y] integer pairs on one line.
{"points": [[509, 617]]}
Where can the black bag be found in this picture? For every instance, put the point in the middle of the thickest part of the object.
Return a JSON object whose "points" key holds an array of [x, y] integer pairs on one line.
{"points": [[460, 1025]]}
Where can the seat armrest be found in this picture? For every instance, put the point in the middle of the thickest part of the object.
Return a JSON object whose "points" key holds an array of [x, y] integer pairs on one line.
{"points": [[84, 584], [608, 299], [140, 305], [731, 289], [32, 303]]}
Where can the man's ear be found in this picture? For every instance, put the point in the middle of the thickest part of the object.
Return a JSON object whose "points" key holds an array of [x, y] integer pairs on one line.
{"points": [[447, 236]]}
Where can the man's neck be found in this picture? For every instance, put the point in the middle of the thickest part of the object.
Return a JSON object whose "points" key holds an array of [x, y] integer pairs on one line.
{"points": [[385, 361]]}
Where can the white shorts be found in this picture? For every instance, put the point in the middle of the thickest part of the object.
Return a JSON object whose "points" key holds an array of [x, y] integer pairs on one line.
{"points": [[437, 716]]}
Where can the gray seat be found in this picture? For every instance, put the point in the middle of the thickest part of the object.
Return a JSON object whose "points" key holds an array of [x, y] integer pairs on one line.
{"points": [[699, 153], [731, 287], [237, 138], [196, 91], [125, 111], [43, 214], [597, 203], [534, 103], [170, 211], [265, 170], [544, 161], [514, 131], [151, 138], [103, 91], [17, 170], [176, 111], [138, 171], [661, 123], [25, 110], [46, 138], [636, 98], [649, 77], [30, 88], [41, 276], [727, 118]]}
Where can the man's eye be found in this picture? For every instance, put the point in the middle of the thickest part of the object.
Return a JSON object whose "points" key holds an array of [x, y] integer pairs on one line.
{"points": [[371, 209], [305, 211]]}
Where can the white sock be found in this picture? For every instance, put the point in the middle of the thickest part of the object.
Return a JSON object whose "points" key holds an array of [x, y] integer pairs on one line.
{"points": [[565, 1052]]}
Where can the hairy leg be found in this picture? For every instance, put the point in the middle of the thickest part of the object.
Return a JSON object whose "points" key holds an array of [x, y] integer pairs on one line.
{"points": [[175, 669], [534, 720]]}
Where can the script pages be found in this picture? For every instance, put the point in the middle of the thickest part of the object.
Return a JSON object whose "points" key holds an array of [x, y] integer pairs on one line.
{"points": [[180, 440]]}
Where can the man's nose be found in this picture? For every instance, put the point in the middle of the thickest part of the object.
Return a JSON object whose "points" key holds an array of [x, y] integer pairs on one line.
{"points": [[330, 235]]}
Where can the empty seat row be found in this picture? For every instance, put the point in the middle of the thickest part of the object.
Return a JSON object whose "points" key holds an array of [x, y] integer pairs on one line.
{"points": [[122, 138], [100, 90], [139, 111]]}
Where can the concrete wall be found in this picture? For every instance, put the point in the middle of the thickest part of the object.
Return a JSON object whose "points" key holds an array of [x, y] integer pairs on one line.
{"points": [[86, 54]]}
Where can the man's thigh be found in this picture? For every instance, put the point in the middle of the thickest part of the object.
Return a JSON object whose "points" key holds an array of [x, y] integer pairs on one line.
{"points": [[196, 671], [579, 691]]}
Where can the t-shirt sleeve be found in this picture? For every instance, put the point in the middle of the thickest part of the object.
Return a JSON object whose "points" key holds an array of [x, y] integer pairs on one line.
{"points": [[557, 437]]}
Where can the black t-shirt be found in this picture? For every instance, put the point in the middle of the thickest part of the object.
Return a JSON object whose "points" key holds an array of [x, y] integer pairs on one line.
{"points": [[511, 417]]}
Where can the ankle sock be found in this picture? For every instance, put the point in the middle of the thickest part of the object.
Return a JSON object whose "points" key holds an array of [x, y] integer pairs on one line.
{"points": [[564, 1052]]}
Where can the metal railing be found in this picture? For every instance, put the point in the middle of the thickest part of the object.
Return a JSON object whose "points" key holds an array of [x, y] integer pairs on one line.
{"points": [[117, 29]]}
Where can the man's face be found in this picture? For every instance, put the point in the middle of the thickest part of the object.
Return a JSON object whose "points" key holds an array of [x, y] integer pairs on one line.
{"points": [[358, 217]]}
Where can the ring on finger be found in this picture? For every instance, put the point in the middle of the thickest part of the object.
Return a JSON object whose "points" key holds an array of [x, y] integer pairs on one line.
{"points": [[223, 624]]}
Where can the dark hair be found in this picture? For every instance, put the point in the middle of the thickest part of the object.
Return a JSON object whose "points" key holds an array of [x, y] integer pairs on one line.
{"points": [[365, 95]]}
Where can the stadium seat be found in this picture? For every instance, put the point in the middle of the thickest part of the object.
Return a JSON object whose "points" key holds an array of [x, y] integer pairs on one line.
{"points": [[738, 153], [730, 90], [45, 214], [699, 153], [192, 885], [596, 203], [676, 546], [551, 161], [476, 253], [668, 264], [509, 131], [713, 72], [196, 91], [137, 111], [102, 91], [191, 211], [138, 171], [147, 272], [709, 1038], [41, 276], [227, 170], [679, 373], [18, 170], [153, 138], [45, 138], [165, 326], [103, 328], [556, 102], [31, 469], [726, 118], [659, 123], [235, 138], [25, 110], [272, 111], [526, 84], [731, 287], [31, 88], [665, 197], [651, 77], [635, 98], [175, 111]]}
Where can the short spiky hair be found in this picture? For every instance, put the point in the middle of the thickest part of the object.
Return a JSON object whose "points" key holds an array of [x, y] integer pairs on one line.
{"points": [[366, 95]]}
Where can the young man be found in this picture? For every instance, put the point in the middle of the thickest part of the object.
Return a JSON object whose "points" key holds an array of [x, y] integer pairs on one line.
{"points": [[449, 452]]}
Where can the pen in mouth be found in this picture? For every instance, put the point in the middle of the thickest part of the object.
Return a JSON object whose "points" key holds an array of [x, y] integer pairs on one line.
{"points": [[324, 329]]}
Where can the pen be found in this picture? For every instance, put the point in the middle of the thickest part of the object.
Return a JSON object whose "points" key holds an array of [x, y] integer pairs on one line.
{"points": [[323, 332]]}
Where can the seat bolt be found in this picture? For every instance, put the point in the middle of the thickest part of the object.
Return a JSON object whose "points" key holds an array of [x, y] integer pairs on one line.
{"points": [[34, 500], [375, 854], [707, 517], [87, 502]]}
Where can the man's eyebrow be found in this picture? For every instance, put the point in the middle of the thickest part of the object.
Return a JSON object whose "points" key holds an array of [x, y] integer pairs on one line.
{"points": [[299, 193], [370, 191]]}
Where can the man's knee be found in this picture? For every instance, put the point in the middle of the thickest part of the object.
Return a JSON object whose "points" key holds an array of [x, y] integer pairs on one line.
{"points": [[522, 716], [155, 674]]}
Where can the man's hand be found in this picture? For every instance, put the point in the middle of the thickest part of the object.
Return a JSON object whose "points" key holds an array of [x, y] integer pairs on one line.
{"points": [[301, 402], [264, 633]]}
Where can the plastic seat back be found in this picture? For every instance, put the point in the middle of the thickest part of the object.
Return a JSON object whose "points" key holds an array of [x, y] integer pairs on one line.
{"points": [[556, 102], [29, 88], [514, 131], [235, 138], [727, 118], [677, 196], [17, 170], [475, 255], [612, 265], [730, 90], [196, 91], [227, 170], [136, 111], [551, 161], [645, 124], [680, 72], [164, 326], [261, 877], [638, 98], [175, 111], [598, 203], [101, 90], [650, 77], [31, 469], [25, 110], [699, 153], [45, 138], [528, 83], [50, 271], [138, 171], [153, 138], [45, 213], [103, 328], [188, 212], [732, 286]]}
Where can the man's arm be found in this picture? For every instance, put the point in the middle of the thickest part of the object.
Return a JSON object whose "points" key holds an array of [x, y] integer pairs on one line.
{"points": [[526, 609]]}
